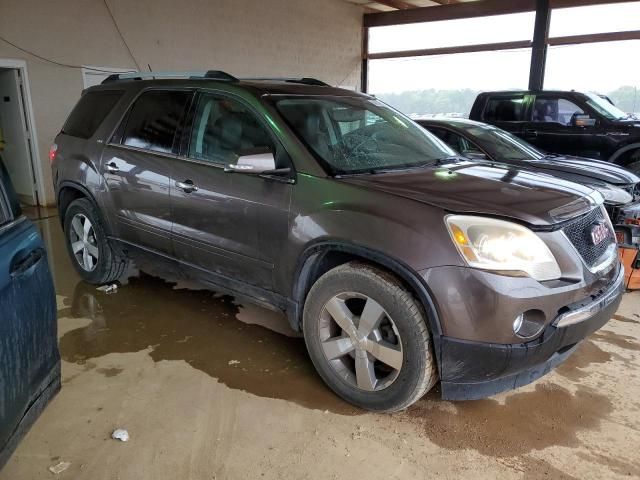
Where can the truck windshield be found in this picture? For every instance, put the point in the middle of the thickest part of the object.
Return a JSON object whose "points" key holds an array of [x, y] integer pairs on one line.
{"points": [[605, 108], [360, 135]]}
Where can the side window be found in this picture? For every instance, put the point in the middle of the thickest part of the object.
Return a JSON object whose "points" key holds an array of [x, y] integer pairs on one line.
{"points": [[153, 120], [504, 109], [555, 110], [224, 129], [455, 141], [89, 112]]}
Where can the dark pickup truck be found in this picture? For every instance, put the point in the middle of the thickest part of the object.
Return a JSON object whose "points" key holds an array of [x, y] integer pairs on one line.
{"points": [[566, 122]]}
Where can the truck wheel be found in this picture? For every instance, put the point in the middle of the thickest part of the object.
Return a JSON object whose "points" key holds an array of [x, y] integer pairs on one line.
{"points": [[90, 251], [368, 338]]}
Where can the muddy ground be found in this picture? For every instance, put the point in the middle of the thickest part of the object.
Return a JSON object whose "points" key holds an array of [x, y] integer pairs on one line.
{"points": [[210, 389]]}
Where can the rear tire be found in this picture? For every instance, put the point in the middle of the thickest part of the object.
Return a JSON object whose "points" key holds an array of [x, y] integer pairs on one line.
{"points": [[91, 253], [342, 356]]}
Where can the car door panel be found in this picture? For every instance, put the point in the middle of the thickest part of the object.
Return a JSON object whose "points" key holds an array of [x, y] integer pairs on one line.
{"points": [[233, 224], [552, 130], [137, 168], [29, 358], [138, 185]]}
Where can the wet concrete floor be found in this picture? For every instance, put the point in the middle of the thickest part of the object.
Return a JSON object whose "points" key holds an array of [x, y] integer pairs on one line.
{"points": [[210, 388]]}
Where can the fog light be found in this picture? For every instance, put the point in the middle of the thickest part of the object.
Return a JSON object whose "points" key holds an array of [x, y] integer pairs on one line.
{"points": [[529, 323]]}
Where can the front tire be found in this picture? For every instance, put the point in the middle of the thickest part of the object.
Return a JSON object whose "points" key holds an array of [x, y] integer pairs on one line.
{"points": [[91, 253], [368, 338]]}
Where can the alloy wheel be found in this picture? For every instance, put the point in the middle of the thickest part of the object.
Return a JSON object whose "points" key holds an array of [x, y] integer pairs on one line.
{"points": [[360, 341], [83, 241]]}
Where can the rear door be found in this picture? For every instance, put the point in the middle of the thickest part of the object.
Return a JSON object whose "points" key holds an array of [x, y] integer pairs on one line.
{"points": [[229, 225], [507, 111], [29, 359], [136, 165], [555, 126]]}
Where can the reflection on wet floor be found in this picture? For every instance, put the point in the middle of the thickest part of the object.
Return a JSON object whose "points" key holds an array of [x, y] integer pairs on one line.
{"points": [[178, 321]]}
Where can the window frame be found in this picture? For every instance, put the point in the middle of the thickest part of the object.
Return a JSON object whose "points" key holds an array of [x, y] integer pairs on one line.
{"points": [[117, 137], [578, 102], [526, 103], [281, 154]]}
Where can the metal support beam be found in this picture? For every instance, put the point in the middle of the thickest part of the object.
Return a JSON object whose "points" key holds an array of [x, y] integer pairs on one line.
{"points": [[539, 46], [364, 67]]}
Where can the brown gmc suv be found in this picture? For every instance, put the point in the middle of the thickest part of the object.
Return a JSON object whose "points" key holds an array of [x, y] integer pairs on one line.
{"points": [[401, 263]]}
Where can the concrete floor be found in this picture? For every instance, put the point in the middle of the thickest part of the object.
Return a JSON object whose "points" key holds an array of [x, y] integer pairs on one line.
{"points": [[209, 389]]}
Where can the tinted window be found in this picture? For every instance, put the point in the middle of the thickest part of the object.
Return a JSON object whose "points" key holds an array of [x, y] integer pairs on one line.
{"points": [[89, 113], [555, 110], [224, 130], [153, 120], [455, 141], [504, 109]]}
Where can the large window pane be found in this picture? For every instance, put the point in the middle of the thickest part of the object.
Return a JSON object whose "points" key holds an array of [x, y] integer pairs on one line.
{"points": [[608, 68], [447, 33], [595, 19], [447, 84]]}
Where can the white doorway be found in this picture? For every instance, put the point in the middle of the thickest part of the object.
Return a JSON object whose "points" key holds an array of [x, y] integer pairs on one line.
{"points": [[19, 149]]}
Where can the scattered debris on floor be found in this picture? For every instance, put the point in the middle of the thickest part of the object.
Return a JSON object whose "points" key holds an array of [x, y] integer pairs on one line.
{"points": [[120, 434], [113, 288], [59, 467], [234, 362]]}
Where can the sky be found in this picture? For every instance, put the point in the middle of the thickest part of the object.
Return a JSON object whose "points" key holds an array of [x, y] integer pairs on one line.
{"points": [[599, 67]]}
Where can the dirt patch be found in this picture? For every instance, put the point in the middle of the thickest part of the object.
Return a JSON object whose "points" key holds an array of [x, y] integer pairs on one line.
{"points": [[110, 372], [200, 328], [533, 420]]}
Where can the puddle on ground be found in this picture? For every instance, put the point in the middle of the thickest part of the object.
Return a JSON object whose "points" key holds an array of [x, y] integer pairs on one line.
{"points": [[532, 420], [574, 368], [622, 318], [626, 342], [200, 328]]}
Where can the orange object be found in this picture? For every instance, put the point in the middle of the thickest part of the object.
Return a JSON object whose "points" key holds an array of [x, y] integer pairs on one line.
{"points": [[630, 257]]}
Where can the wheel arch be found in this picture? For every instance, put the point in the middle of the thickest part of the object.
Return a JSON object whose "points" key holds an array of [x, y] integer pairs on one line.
{"points": [[621, 152], [70, 191], [321, 257]]}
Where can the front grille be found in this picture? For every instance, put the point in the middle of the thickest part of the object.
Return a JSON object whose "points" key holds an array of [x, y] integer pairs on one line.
{"points": [[579, 233]]}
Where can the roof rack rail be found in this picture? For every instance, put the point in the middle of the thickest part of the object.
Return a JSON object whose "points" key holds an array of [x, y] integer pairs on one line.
{"points": [[208, 75], [303, 80]]}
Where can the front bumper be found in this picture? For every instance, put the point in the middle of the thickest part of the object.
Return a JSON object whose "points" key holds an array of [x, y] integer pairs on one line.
{"points": [[471, 370]]}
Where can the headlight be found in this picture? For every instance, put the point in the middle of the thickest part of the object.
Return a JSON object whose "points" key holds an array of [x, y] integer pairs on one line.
{"points": [[613, 194], [502, 246]]}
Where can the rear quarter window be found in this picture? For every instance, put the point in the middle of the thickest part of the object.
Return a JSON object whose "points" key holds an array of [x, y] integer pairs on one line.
{"points": [[504, 109], [89, 113]]}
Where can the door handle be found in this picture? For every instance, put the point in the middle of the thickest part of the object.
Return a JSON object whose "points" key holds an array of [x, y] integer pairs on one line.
{"points": [[532, 132], [112, 167], [23, 265], [187, 185]]}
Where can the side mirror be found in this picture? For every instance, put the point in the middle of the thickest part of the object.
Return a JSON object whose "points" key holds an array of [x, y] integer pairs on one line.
{"points": [[474, 155], [256, 164], [583, 121]]}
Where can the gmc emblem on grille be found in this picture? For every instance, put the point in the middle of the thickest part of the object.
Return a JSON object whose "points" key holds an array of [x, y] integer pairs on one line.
{"points": [[599, 233]]}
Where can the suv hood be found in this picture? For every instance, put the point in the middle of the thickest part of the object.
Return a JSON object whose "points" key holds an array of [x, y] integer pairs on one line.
{"points": [[481, 188], [584, 170]]}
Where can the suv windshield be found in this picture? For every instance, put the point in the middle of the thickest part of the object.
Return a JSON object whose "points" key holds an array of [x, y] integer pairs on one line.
{"points": [[605, 108], [357, 135]]}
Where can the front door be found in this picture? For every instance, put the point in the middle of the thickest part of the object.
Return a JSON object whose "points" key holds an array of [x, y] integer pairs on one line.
{"points": [[558, 125], [137, 169], [231, 226], [29, 359]]}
